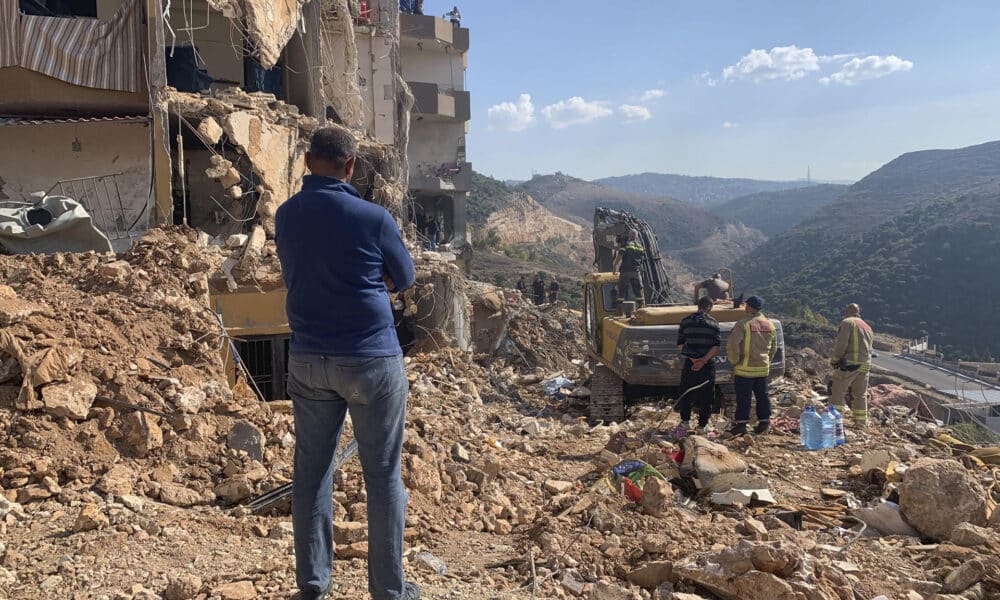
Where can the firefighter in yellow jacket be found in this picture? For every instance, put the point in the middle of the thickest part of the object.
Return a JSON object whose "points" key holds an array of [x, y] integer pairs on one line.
{"points": [[851, 362], [750, 347]]}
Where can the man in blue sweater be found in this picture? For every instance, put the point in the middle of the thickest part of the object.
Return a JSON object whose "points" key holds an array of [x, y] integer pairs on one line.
{"points": [[340, 257]]}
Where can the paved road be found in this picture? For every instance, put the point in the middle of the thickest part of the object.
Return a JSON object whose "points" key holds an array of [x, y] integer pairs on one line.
{"points": [[960, 386]]}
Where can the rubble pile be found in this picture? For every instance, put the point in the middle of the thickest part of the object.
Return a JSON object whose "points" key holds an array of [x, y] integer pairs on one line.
{"points": [[112, 381], [120, 436]]}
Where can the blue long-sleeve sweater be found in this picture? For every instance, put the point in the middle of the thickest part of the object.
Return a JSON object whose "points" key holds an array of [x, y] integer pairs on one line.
{"points": [[334, 249]]}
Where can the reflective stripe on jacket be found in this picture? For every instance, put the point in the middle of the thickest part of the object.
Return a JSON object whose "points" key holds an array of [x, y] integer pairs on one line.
{"points": [[751, 346], [854, 344]]}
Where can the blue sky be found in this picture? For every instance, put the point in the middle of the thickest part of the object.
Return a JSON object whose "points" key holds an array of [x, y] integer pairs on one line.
{"points": [[759, 89]]}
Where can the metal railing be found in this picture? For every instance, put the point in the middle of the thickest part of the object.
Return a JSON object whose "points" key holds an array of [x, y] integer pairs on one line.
{"points": [[101, 196]]}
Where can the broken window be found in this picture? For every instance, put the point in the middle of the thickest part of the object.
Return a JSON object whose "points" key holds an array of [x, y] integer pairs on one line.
{"points": [[266, 359], [59, 8]]}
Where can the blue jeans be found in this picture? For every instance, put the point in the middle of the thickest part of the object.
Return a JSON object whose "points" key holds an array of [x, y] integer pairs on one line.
{"points": [[323, 390], [757, 388]]}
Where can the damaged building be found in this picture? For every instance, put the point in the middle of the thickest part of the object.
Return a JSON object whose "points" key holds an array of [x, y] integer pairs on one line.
{"points": [[198, 112], [435, 57]]}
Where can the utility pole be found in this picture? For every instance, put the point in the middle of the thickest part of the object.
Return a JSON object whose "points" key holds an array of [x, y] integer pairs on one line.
{"points": [[808, 175]]}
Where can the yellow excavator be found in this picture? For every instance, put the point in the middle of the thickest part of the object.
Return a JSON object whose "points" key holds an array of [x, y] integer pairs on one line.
{"points": [[632, 343]]}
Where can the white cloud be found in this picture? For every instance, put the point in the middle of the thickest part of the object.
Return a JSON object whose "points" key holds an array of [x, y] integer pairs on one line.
{"points": [[707, 78], [869, 67], [729, 125], [512, 117], [634, 114], [650, 95], [783, 62], [575, 111]]}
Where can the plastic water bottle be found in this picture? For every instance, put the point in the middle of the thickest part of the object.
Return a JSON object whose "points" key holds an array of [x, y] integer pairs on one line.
{"points": [[839, 430], [829, 438], [810, 429]]}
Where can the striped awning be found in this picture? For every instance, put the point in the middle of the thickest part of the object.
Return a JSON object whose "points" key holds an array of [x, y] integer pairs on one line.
{"points": [[15, 122], [103, 54]]}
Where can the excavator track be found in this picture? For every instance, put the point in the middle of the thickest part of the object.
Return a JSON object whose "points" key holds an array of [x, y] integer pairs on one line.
{"points": [[607, 398]]}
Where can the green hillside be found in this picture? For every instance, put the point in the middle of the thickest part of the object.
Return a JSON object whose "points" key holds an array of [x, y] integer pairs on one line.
{"points": [[931, 271], [777, 212], [487, 196]]}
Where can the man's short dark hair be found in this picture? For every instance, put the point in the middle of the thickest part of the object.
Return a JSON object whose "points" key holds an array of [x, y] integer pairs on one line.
{"points": [[705, 303], [333, 144]]}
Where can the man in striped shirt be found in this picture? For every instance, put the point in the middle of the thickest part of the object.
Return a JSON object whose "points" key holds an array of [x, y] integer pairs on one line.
{"points": [[698, 339]]}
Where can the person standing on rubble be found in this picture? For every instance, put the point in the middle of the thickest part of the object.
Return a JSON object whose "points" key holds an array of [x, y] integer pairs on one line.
{"points": [[750, 347], [698, 339], [433, 232], [553, 290], [628, 264], [344, 358], [522, 285], [851, 362], [538, 289]]}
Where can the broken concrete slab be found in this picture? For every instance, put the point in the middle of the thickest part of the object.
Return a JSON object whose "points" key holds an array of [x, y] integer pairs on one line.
{"points": [[705, 460], [652, 574], [245, 436], [71, 400], [965, 576], [969, 535], [270, 25], [210, 130], [13, 309], [932, 484]]}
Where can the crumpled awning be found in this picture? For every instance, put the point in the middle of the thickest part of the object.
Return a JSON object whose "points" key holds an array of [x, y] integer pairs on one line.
{"points": [[54, 224]]}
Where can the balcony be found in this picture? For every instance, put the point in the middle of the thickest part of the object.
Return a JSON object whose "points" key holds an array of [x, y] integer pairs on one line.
{"points": [[441, 178], [418, 31], [436, 102]]}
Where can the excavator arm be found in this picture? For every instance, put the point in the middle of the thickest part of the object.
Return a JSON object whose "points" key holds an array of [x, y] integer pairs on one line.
{"points": [[611, 229]]}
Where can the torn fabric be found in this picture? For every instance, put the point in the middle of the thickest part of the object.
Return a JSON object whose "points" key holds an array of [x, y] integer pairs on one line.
{"points": [[87, 52]]}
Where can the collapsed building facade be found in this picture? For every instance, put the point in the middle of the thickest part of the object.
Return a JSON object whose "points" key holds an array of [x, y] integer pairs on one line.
{"points": [[198, 113]]}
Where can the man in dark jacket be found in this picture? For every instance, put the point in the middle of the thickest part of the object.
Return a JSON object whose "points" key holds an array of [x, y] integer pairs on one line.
{"points": [[341, 257], [538, 289], [522, 285], [699, 340], [553, 290]]}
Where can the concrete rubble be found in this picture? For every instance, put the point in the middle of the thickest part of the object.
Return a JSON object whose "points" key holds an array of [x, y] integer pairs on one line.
{"points": [[120, 435]]}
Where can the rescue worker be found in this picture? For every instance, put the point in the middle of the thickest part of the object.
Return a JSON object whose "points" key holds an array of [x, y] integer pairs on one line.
{"points": [[699, 340], [553, 290], [715, 288], [538, 289], [433, 231], [750, 347], [851, 362], [628, 264], [522, 285]]}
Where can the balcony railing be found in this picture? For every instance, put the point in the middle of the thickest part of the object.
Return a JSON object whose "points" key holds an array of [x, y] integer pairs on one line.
{"points": [[425, 28], [435, 101]]}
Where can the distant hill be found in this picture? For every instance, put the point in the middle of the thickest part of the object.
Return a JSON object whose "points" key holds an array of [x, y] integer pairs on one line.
{"points": [[700, 240], [777, 212], [702, 191], [915, 242], [678, 224]]}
